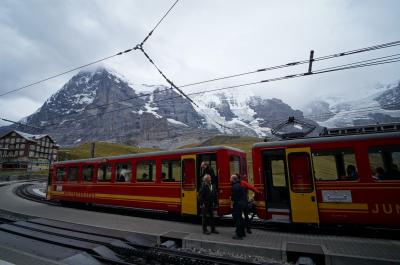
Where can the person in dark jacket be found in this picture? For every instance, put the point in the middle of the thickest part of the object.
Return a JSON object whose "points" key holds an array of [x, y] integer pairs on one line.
{"points": [[208, 202], [239, 201], [206, 169]]}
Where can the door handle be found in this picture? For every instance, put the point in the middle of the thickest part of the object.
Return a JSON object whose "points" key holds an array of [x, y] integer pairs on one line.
{"points": [[313, 198], [183, 194]]}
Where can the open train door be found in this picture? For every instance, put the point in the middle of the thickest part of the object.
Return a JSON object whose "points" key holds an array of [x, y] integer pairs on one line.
{"points": [[189, 193], [303, 200]]}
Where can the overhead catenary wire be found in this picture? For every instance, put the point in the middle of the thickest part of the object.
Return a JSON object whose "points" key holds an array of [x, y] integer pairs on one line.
{"points": [[63, 73], [349, 66], [136, 47], [232, 86], [225, 77], [19, 123], [165, 77], [178, 89], [370, 48], [158, 23], [295, 63]]}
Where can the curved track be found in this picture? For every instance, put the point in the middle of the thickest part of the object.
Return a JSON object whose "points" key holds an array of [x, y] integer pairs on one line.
{"points": [[24, 225]]}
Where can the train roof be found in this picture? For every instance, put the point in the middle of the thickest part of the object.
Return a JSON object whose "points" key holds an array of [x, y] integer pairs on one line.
{"points": [[149, 154], [327, 139]]}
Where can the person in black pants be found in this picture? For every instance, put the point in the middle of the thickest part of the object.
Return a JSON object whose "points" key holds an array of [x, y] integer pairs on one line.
{"points": [[239, 202], [208, 201], [249, 209]]}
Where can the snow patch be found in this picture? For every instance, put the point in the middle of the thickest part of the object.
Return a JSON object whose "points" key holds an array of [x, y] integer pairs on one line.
{"points": [[150, 109], [176, 122]]}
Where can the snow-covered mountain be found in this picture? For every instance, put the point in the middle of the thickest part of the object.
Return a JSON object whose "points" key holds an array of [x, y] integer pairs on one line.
{"points": [[242, 113], [380, 105], [103, 105]]}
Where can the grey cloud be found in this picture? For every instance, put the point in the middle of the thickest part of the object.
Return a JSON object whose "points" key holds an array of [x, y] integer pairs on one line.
{"points": [[199, 40]]}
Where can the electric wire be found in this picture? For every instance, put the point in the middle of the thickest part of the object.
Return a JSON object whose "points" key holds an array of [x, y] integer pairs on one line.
{"points": [[94, 62], [206, 81], [369, 62], [158, 23], [335, 55], [233, 86], [165, 77]]}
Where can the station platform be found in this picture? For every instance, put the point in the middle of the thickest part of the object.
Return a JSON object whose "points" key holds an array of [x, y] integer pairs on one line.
{"points": [[280, 246]]}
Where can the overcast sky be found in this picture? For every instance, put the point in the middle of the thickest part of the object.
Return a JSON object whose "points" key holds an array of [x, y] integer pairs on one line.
{"points": [[198, 40]]}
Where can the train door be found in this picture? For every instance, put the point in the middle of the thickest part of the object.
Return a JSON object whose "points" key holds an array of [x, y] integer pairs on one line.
{"points": [[304, 208], [188, 188], [275, 179]]}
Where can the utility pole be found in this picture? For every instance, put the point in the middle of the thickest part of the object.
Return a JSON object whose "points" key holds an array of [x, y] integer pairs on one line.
{"points": [[310, 62], [92, 148]]}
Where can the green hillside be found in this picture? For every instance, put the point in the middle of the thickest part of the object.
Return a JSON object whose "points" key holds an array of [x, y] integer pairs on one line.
{"points": [[102, 149], [241, 142]]}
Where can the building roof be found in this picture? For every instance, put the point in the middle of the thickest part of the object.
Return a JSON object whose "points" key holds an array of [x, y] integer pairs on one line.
{"points": [[30, 137]]}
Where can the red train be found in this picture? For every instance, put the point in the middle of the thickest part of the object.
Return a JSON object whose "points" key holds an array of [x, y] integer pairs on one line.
{"points": [[332, 179], [164, 181]]}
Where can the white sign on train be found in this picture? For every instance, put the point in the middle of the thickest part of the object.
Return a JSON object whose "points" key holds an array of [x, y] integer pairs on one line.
{"points": [[336, 196]]}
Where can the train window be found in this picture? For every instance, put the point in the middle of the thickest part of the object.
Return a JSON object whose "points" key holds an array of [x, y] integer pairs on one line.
{"points": [[350, 165], [73, 173], [335, 165], [87, 173], [124, 172], [171, 171], [300, 172], [384, 163], [104, 173], [278, 173], [60, 173], [325, 167], [234, 165], [145, 171]]}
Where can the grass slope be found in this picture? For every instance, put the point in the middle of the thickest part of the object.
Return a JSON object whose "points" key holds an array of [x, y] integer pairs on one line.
{"points": [[241, 142], [101, 149]]}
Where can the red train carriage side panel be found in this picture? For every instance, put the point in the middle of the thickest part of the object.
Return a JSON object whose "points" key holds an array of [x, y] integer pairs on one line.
{"points": [[356, 178]]}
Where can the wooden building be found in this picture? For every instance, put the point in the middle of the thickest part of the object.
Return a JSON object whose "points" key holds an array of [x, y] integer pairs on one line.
{"points": [[19, 150]]}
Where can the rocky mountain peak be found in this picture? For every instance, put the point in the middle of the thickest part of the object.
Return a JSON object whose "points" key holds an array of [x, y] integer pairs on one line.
{"points": [[100, 104]]}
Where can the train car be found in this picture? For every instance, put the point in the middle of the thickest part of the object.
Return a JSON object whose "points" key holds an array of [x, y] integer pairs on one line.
{"points": [[351, 179], [163, 181]]}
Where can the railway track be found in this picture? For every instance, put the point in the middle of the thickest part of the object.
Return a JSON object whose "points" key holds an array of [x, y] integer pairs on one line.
{"points": [[81, 244], [25, 191]]}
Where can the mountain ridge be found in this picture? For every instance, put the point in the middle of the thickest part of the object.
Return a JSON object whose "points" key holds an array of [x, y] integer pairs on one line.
{"points": [[102, 105]]}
